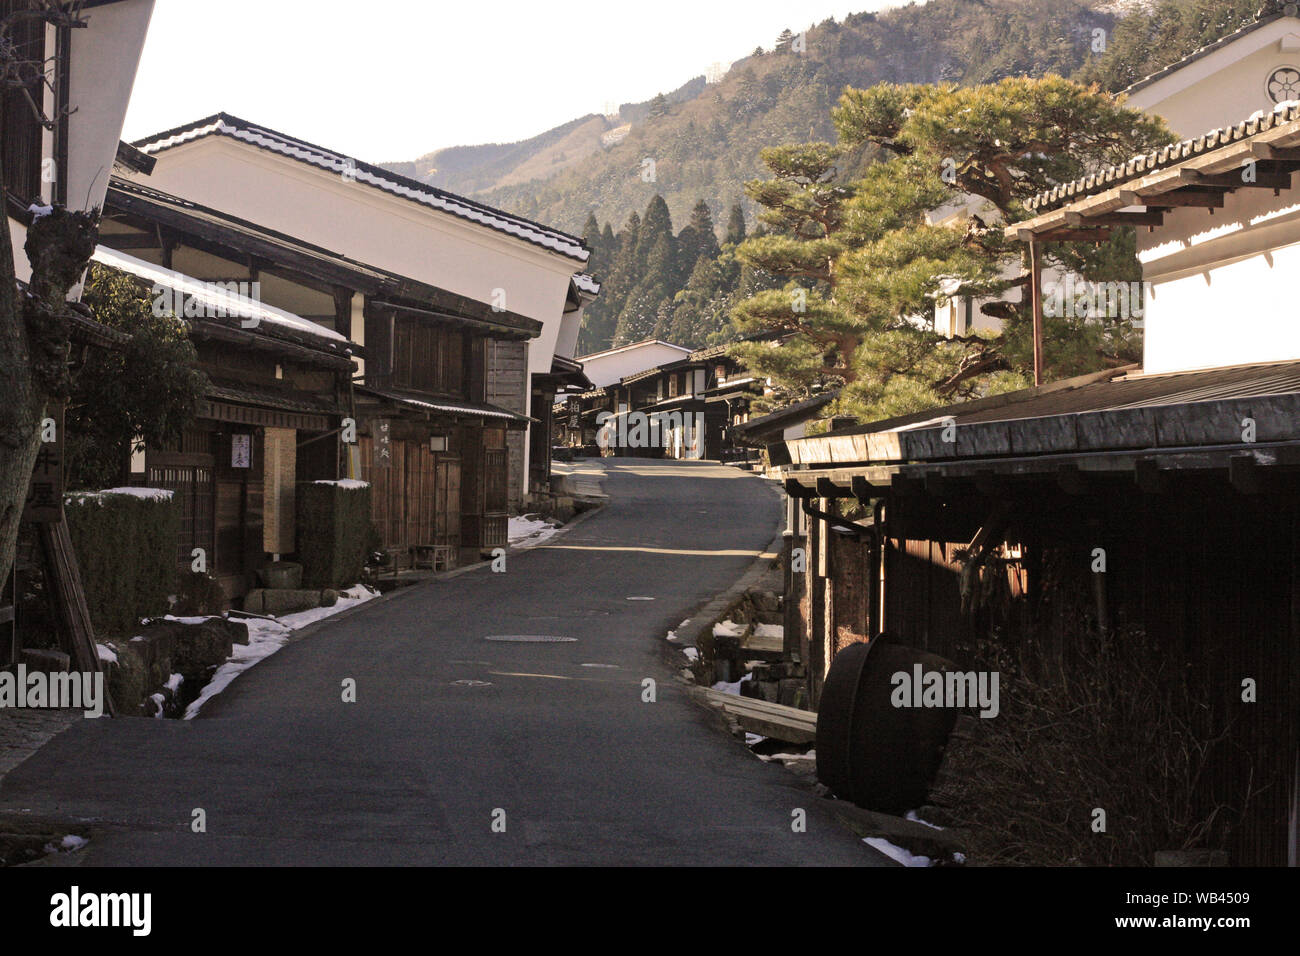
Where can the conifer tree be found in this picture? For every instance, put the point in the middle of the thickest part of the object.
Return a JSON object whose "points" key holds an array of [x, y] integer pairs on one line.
{"points": [[735, 226], [878, 266]]}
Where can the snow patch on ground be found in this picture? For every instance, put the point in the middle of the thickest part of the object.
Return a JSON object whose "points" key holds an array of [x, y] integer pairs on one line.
{"points": [[896, 853], [732, 687], [527, 531], [911, 815], [106, 653], [69, 843], [345, 483], [728, 629], [265, 637], [691, 653]]}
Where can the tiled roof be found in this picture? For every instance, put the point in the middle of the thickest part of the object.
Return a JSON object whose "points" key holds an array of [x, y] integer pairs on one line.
{"points": [[223, 124], [248, 394], [1053, 417], [1158, 159], [587, 283], [446, 405], [222, 303], [756, 429], [631, 345]]}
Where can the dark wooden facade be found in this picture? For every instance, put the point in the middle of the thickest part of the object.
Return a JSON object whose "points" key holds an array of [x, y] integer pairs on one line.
{"points": [[427, 381], [705, 389]]}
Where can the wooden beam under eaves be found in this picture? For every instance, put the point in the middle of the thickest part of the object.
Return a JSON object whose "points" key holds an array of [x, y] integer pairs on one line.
{"points": [[1243, 179], [1279, 154], [1205, 198], [1064, 235], [1148, 218]]}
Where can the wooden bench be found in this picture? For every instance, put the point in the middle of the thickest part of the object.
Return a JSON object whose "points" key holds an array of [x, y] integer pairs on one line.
{"points": [[763, 717], [436, 556]]}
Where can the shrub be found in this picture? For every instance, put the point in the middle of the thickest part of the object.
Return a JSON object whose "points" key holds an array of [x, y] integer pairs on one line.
{"points": [[1112, 727], [333, 529], [125, 541], [197, 594]]}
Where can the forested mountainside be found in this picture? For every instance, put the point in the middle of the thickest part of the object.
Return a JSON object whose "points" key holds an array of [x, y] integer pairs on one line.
{"points": [[685, 156]]}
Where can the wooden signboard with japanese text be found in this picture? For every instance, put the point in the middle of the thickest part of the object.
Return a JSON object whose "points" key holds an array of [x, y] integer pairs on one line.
{"points": [[44, 503]]}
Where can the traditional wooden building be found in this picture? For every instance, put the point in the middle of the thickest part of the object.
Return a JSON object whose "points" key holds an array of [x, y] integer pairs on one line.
{"points": [[1181, 476], [690, 407], [89, 70], [286, 378], [488, 265]]}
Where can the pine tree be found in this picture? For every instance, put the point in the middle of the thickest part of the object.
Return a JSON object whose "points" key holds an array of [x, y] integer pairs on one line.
{"points": [[658, 106], [735, 226], [696, 239], [591, 234], [641, 311], [784, 40], [804, 205], [884, 266], [600, 319]]}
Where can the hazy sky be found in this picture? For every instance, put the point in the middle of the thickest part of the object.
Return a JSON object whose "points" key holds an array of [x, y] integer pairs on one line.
{"points": [[393, 79]]}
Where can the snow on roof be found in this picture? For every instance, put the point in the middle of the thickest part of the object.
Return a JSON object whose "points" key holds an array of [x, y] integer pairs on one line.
{"points": [[586, 283], [212, 296], [223, 124]]}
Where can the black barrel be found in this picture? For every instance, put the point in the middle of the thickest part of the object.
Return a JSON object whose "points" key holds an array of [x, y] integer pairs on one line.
{"points": [[870, 752]]}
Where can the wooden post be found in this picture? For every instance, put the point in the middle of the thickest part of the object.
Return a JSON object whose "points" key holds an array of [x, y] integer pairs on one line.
{"points": [[1036, 291], [69, 599]]}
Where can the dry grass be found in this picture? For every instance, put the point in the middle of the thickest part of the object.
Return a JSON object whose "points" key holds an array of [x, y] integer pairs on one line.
{"points": [[1106, 726]]}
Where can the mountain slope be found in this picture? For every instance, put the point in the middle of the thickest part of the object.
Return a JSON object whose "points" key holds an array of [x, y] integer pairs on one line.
{"points": [[707, 141]]}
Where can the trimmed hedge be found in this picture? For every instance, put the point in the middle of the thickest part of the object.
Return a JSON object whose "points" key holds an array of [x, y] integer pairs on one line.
{"points": [[333, 528], [125, 543]]}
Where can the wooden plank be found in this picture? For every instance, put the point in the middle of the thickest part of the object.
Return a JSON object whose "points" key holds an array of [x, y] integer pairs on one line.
{"points": [[69, 600], [764, 645], [735, 704], [768, 727]]}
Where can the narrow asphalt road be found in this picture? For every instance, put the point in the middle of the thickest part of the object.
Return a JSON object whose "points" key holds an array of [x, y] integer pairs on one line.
{"points": [[556, 743]]}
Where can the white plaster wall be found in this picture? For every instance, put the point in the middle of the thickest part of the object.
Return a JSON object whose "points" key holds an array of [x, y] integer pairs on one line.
{"points": [[606, 369], [105, 56], [1225, 288], [375, 227], [1226, 86]]}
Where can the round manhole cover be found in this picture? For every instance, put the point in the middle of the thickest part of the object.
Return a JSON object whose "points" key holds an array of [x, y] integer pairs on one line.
{"points": [[530, 639], [472, 683]]}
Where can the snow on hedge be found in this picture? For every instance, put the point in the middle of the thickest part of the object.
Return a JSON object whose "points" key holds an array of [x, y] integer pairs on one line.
{"points": [[344, 483], [149, 494]]}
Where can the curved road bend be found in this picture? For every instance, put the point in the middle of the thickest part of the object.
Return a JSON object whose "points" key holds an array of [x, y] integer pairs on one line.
{"points": [[412, 772]]}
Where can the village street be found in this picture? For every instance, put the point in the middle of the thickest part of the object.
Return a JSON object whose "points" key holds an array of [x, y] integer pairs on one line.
{"points": [[557, 735]]}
